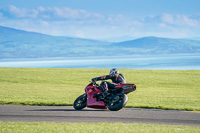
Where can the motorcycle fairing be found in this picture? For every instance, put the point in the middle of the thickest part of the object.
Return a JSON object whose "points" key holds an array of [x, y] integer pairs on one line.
{"points": [[92, 102]]}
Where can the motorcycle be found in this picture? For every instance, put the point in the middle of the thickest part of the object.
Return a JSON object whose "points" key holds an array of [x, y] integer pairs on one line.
{"points": [[115, 99]]}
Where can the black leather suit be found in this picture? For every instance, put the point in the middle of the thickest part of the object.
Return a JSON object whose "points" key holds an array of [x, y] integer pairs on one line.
{"points": [[116, 79]]}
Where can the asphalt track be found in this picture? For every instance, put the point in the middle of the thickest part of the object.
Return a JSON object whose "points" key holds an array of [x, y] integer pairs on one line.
{"points": [[68, 114]]}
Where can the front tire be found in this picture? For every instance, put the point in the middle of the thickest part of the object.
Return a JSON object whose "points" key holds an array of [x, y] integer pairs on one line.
{"points": [[80, 102], [118, 102]]}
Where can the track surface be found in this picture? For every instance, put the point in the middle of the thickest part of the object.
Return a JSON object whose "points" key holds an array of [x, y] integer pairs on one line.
{"points": [[68, 114]]}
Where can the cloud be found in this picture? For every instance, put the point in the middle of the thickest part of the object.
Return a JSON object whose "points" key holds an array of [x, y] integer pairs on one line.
{"points": [[22, 13], [50, 13], [166, 19], [180, 20], [64, 21]]}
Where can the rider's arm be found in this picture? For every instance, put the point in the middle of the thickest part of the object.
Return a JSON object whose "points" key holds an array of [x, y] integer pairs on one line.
{"points": [[104, 77]]}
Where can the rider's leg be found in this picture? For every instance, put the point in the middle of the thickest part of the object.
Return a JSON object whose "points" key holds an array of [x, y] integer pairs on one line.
{"points": [[111, 85], [104, 86]]}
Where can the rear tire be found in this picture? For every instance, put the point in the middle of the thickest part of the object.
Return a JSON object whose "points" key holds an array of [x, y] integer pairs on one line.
{"points": [[80, 102], [119, 104]]}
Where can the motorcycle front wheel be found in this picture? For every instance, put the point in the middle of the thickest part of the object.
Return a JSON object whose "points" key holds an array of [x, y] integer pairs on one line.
{"points": [[80, 102], [118, 102]]}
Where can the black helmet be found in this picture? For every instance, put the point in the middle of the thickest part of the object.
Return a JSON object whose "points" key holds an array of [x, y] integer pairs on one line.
{"points": [[114, 71]]}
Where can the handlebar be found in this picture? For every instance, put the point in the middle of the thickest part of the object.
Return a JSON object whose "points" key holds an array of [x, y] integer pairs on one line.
{"points": [[94, 83]]}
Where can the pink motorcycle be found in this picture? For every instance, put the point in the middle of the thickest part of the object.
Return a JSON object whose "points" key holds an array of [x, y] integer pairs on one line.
{"points": [[115, 99]]}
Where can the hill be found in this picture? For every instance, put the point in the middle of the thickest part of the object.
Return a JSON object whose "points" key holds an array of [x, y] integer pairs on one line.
{"points": [[16, 43], [23, 44], [154, 45]]}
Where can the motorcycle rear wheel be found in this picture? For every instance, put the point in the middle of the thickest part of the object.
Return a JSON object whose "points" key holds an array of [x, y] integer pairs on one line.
{"points": [[80, 102], [119, 102]]}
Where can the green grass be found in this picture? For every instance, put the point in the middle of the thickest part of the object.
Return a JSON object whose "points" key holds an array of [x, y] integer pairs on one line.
{"points": [[43, 127], [164, 89]]}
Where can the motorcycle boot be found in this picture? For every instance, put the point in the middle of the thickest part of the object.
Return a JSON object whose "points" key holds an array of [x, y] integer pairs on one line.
{"points": [[104, 88]]}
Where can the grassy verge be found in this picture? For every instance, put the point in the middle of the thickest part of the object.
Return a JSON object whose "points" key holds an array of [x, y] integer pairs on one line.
{"points": [[19, 127], [164, 89]]}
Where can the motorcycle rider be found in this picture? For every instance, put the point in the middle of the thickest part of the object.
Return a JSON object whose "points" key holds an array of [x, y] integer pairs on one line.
{"points": [[116, 78]]}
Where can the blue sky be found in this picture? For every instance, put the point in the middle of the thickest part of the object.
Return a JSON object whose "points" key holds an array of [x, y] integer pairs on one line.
{"points": [[113, 20]]}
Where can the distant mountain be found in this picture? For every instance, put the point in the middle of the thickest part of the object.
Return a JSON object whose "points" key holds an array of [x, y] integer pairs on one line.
{"points": [[16, 43], [154, 45], [118, 39], [23, 44]]}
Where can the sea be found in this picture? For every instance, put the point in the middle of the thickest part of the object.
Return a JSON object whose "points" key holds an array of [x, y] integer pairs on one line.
{"points": [[162, 62]]}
